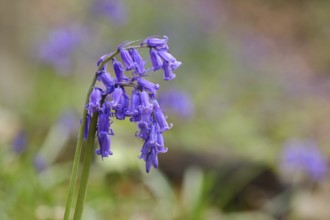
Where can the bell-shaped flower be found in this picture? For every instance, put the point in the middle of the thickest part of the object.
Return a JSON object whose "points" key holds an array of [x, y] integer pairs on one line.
{"points": [[147, 85], [145, 101], [151, 159], [94, 101], [166, 56], [104, 142], [119, 70], [160, 117], [127, 59], [155, 42], [116, 97], [103, 123], [143, 130], [138, 60], [122, 107], [160, 141], [107, 80], [150, 141], [133, 110], [168, 73], [156, 61]]}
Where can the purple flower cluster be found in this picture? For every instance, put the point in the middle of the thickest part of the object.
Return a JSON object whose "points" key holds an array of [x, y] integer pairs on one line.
{"points": [[141, 107], [305, 157]]}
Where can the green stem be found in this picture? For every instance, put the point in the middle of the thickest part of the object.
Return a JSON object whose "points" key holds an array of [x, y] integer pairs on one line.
{"points": [[76, 159], [88, 159]]}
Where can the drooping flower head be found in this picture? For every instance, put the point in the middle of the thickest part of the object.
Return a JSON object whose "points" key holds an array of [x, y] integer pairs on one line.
{"points": [[141, 107]]}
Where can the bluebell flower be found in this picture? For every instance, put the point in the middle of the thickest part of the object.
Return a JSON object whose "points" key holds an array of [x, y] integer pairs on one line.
{"points": [[104, 142], [156, 61], [144, 122], [151, 159], [107, 80], [116, 97], [122, 108], [142, 106], [158, 43], [147, 85], [170, 62], [168, 73], [175, 65], [304, 157], [94, 101], [149, 144], [134, 106], [145, 100], [160, 117], [139, 62], [166, 56], [151, 148], [160, 143], [145, 110], [104, 131], [119, 70], [126, 58], [103, 123], [143, 129]]}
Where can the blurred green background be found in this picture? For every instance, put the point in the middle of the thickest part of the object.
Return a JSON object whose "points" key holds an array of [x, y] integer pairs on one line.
{"points": [[254, 79]]}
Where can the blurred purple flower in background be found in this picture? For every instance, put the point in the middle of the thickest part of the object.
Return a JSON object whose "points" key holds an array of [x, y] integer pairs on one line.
{"points": [[69, 121], [304, 156], [19, 142], [40, 163], [57, 49], [113, 10], [177, 102]]}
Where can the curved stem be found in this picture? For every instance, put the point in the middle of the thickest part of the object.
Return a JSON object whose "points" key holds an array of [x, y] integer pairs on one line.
{"points": [[88, 159]]}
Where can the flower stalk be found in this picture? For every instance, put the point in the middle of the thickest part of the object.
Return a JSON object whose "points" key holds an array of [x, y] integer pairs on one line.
{"points": [[88, 159], [142, 108]]}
